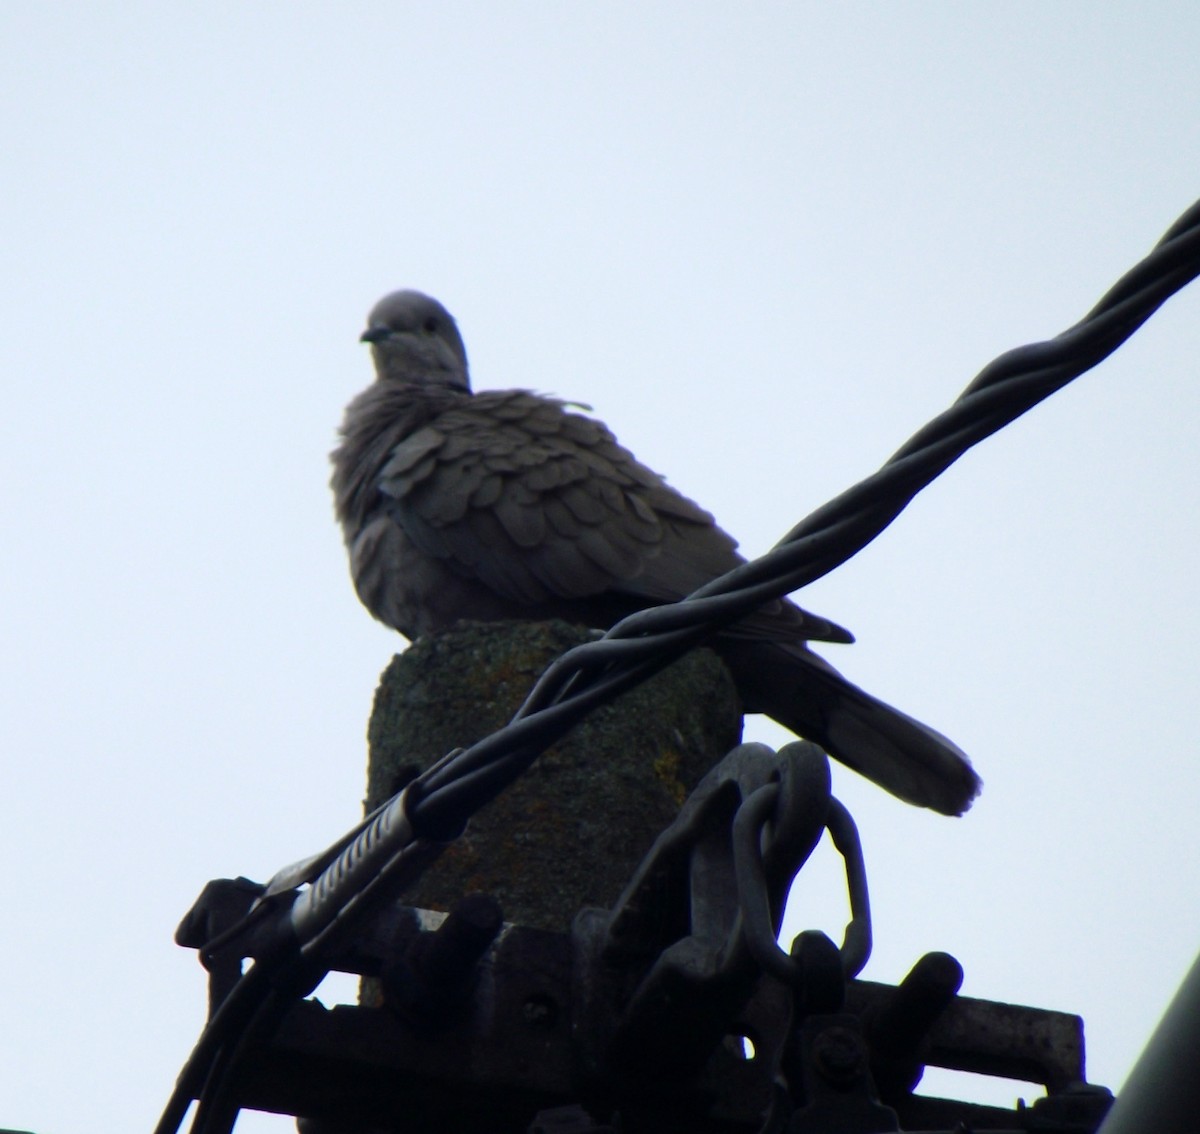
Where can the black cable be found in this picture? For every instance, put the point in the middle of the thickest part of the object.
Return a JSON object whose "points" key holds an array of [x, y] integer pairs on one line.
{"points": [[217, 1103], [226, 1024]]}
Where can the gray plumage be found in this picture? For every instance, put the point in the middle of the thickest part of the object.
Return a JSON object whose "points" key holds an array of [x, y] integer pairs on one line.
{"points": [[507, 504]]}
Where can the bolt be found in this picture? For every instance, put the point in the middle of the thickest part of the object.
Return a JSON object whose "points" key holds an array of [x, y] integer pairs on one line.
{"points": [[838, 1055], [540, 1011]]}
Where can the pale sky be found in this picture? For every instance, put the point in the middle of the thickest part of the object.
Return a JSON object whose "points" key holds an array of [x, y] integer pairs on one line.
{"points": [[766, 242]]}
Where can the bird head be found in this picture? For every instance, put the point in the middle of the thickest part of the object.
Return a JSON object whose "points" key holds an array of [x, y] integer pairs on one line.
{"points": [[415, 339]]}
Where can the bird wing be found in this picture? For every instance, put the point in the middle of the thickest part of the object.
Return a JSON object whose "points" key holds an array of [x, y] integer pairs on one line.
{"points": [[542, 505]]}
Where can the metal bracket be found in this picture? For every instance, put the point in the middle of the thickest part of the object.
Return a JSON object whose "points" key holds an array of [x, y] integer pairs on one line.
{"points": [[637, 1021]]}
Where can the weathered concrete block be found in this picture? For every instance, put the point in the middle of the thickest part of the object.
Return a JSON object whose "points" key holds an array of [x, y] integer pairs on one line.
{"points": [[569, 833]]}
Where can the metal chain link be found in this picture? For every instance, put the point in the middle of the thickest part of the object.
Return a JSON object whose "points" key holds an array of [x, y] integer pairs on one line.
{"points": [[752, 826]]}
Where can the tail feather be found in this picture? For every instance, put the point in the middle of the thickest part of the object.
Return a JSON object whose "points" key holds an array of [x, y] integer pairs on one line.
{"points": [[807, 695]]}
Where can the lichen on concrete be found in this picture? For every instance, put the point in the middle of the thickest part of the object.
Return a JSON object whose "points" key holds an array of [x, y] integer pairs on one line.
{"points": [[571, 830]]}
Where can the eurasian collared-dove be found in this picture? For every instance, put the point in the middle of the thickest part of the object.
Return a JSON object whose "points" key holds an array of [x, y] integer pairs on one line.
{"points": [[506, 504]]}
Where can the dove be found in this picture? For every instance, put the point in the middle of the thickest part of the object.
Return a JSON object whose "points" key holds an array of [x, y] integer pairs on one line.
{"points": [[508, 504]]}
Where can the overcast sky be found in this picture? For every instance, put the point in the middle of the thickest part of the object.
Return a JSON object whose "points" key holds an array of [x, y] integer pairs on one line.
{"points": [[766, 242]]}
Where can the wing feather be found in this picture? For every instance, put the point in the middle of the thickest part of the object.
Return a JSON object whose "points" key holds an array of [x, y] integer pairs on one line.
{"points": [[540, 503]]}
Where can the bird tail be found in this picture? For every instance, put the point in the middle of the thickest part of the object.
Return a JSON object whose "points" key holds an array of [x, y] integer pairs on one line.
{"points": [[806, 694]]}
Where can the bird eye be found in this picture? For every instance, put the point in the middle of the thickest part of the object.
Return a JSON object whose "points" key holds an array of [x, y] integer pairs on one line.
{"points": [[430, 325]]}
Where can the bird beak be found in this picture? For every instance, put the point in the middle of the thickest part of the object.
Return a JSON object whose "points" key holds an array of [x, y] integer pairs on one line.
{"points": [[374, 334]]}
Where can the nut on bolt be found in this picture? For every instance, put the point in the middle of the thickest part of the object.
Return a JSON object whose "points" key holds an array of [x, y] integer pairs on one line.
{"points": [[839, 1055]]}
